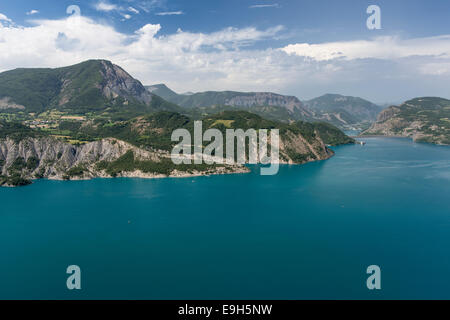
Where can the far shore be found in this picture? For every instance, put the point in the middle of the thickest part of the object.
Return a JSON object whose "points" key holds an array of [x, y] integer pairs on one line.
{"points": [[378, 136], [397, 136]]}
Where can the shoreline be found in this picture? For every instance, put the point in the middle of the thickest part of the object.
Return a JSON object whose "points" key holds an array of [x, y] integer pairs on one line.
{"points": [[403, 137], [142, 175], [378, 136], [177, 175]]}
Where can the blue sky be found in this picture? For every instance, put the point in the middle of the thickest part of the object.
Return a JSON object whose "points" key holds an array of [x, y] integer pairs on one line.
{"points": [[302, 48]]}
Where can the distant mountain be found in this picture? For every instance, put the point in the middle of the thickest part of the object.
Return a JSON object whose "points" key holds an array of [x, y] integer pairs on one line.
{"points": [[423, 119], [93, 85], [264, 103], [344, 111], [163, 91], [385, 105], [341, 111]]}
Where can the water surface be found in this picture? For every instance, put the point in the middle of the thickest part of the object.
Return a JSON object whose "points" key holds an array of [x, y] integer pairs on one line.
{"points": [[307, 233]]}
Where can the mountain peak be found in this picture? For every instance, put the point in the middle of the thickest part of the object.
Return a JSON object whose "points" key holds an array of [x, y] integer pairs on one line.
{"points": [[90, 84]]}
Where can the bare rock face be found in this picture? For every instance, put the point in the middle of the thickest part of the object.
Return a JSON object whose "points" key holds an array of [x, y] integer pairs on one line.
{"points": [[6, 103], [388, 123], [295, 149], [388, 113], [117, 82], [232, 98], [36, 158], [53, 158], [267, 99]]}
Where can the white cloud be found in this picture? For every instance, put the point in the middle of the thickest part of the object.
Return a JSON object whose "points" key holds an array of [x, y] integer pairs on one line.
{"points": [[258, 6], [150, 5], [31, 12], [379, 48], [110, 7], [5, 22], [105, 6], [381, 69], [4, 18], [135, 11], [170, 13], [436, 68], [122, 11]]}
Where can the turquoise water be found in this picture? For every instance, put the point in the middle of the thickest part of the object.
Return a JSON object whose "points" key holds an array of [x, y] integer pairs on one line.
{"points": [[308, 232]]}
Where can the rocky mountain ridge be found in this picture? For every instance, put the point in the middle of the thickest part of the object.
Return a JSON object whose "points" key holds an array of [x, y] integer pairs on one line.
{"points": [[345, 112], [233, 99]]}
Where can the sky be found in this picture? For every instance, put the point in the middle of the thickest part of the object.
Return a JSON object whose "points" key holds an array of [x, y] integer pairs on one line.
{"points": [[304, 48]]}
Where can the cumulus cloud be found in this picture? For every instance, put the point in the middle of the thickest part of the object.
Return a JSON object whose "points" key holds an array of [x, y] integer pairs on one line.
{"points": [[379, 48], [5, 22], [64, 43], [4, 18], [378, 69]]}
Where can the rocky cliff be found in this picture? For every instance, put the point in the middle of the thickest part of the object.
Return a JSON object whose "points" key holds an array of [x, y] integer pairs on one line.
{"points": [[296, 149], [243, 100], [35, 158], [117, 82], [300, 142]]}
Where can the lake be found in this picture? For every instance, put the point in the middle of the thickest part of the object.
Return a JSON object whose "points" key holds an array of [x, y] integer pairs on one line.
{"points": [[309, 232]]}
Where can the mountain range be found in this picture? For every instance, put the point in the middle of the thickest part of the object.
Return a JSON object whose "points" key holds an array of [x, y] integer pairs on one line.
{"points": [[271, 105], [103, 87], [94, 120], [344, 112]]}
